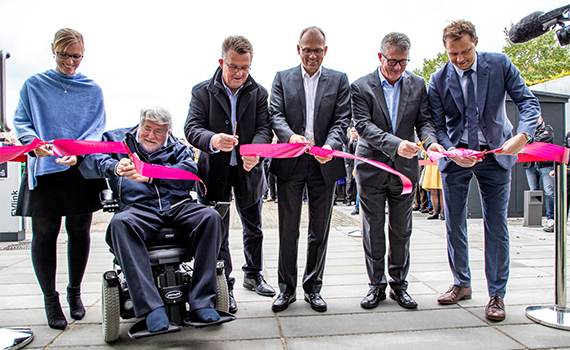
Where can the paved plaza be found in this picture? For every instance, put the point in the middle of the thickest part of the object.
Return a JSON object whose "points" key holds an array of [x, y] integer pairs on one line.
{"points": [[345, 325]]}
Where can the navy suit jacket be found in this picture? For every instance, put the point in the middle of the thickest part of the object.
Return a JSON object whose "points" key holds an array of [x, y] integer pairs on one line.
{"points": [[331, 117], [372, 120], [496, 76]]}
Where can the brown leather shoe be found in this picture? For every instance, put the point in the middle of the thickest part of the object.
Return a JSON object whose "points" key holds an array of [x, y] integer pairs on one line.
{"points": [[454, 294], [495, 310]]}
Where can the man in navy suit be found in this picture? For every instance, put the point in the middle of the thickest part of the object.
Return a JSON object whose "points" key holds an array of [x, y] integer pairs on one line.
{"points": [[309, 103], [467, 102]]}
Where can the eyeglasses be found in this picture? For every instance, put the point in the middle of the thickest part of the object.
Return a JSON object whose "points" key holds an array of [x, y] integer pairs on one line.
{"points": [[65, 56], [156, 132], [234, 69], [308, 52], [392, 62]]}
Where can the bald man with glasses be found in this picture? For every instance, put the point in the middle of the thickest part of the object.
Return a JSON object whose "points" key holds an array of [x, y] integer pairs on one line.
{"points": [[389, 106]]}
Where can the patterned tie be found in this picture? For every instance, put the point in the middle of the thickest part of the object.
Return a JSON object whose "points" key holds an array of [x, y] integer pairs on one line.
{"points": [[471, 113]]}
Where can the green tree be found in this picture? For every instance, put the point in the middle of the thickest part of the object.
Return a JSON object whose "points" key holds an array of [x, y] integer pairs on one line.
{"points": [[539, 60], [431, 66]]}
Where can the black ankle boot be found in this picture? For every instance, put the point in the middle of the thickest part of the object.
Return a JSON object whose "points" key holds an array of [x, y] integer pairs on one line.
{"points": [[56, 318], [76, 308]]}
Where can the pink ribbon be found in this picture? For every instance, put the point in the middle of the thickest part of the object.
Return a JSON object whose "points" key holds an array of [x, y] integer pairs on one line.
{"points": [[534, 152], [14, 152], [290, 150], [63, 147]]}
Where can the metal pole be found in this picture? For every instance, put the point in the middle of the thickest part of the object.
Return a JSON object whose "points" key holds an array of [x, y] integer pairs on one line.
{"points": [[3, 56], [558, 315]]}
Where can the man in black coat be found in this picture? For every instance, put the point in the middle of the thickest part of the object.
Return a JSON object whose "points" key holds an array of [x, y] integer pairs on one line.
{"points": [[309, 103], [228, 110]]}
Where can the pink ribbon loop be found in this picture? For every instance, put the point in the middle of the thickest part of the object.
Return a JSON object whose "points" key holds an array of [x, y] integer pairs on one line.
{"points": [[290, 150], [14, 152]]}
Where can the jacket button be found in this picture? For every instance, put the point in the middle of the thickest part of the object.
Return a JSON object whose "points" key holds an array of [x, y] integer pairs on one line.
{"points": [[227, 122]]}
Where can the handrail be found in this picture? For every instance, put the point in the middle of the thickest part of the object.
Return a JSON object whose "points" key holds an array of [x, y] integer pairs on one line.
{"points": [[3, 56]]}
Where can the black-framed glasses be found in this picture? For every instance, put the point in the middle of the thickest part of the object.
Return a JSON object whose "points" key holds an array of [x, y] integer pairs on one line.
{"points": [[307, 52], [392, 62], [234, 69], [65, 56]]}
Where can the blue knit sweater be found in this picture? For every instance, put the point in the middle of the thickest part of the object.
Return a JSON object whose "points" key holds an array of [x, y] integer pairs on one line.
{"points": [[47, 112]]}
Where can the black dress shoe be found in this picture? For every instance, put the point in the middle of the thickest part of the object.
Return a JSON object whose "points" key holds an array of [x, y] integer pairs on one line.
{"points": [[317, 302], [282, 302], [403, 298], [375, 295], [233, 305], [424, 211], [258, 285]]}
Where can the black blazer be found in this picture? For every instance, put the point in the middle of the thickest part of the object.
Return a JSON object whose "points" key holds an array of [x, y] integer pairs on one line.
{"points": [[372, 120], [332, 114], [209, 114]]}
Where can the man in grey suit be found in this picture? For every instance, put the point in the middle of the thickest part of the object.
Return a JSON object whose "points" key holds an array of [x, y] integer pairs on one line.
{"points": [[225, 111], [389, 106], [309, 103], [467, 101]]}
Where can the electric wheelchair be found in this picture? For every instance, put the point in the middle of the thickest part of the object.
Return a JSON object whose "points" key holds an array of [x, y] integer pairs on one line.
{"points": [[170, 260]]}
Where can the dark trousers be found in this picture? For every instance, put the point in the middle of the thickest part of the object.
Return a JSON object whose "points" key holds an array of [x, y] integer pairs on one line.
{"points": [[130, 228], [252, 233], [272, 185], [495, 188], [372, 206], [320, 195], [421, 197]]}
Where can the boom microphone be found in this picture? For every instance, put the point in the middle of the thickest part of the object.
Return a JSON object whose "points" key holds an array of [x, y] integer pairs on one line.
{"points": [[527, 29], [537, 24]]}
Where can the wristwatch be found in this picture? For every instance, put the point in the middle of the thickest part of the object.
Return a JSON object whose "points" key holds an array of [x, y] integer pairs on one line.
{"points": [[528, 137]]}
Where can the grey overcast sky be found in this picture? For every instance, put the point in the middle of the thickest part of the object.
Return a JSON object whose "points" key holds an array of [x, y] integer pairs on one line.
{"points": [[146, 53]]}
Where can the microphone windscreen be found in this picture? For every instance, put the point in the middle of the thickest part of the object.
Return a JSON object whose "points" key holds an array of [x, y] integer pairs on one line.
{"points": [[527, 29]]}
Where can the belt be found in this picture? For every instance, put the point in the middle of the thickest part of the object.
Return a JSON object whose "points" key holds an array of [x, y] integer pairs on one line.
{"points": [[481, 147]]}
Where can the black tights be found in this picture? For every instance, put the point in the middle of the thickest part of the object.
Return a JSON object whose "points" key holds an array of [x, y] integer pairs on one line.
{"points": [[44, 249]]}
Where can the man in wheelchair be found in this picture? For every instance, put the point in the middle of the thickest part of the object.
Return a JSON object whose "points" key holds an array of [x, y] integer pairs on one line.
{"points": [[146, 205]]}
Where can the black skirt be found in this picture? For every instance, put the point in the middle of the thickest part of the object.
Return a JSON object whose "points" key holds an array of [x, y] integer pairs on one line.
{"points": [[65, 193]]}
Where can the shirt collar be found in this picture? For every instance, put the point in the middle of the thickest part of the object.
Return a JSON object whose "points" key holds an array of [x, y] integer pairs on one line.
{"points": [[461, 71], [385, 82], [306, 75], [228, 89]]}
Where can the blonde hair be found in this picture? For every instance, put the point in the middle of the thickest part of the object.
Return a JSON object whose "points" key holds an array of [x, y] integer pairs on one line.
{"points": [[66, 37]]}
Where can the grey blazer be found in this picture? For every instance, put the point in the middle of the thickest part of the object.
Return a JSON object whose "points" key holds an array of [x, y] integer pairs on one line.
{"points": [[377, 141]]}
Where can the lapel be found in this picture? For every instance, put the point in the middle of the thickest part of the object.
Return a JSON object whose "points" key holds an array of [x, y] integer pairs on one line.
{"points": [[482, 86], [220, 93], [321, 88], [455, 88], [376, 86], [244, 97], [404, 96], [297, 76]]}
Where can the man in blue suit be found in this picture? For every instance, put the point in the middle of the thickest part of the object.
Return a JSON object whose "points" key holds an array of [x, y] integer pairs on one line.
{"points": [[467, 102]]}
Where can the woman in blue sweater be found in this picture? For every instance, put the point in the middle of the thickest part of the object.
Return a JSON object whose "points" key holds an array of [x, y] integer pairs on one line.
{"points": [[59, 104]]}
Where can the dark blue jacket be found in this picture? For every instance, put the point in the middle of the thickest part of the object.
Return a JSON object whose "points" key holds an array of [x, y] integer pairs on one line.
{"points": [[160, 194]]}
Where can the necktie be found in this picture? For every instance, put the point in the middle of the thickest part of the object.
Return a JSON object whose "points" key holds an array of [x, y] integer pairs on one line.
{"points": [[471, 113]]}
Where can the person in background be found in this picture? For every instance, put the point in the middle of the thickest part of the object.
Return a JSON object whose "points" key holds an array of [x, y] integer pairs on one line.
{"points": [[537, 172], [351, 190], [432, 183], [59, 103]]}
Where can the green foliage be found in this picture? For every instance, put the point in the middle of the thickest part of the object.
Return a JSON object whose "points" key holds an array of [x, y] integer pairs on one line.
{"points": [[431, 66], [539, 60]]}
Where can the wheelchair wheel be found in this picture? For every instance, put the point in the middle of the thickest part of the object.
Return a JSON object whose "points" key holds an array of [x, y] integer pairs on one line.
{"points": [[222, 295], [110, 306]]}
